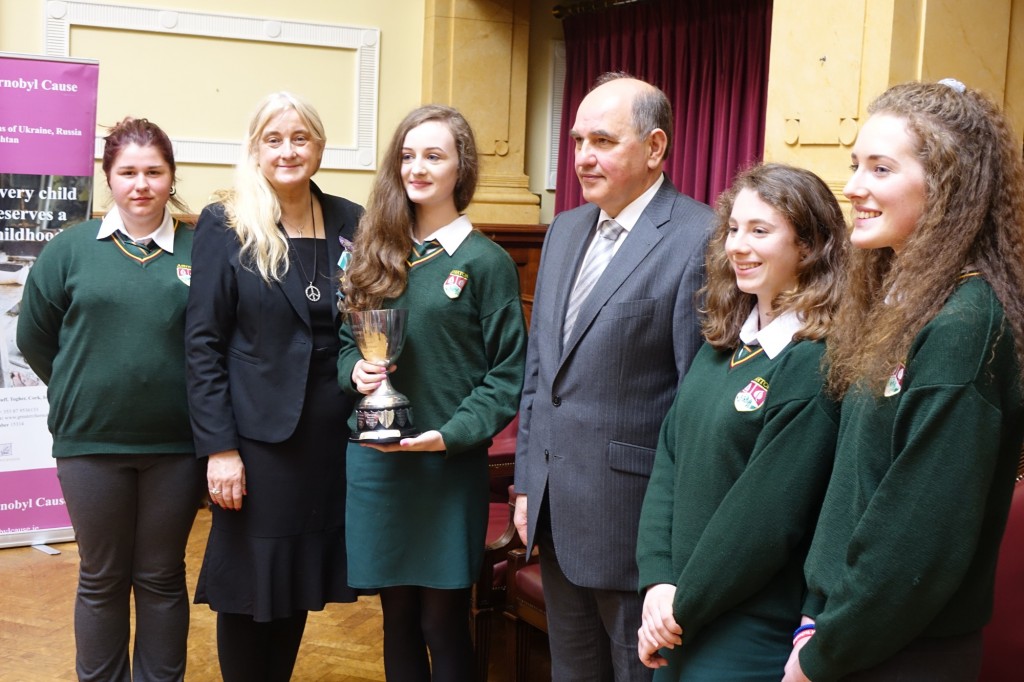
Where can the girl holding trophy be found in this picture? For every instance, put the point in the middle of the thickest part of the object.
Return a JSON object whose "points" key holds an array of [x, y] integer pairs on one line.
{"points": [[417, 507]]}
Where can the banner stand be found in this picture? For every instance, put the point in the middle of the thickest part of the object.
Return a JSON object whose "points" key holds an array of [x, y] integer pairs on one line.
{"points": [[47, 151]]}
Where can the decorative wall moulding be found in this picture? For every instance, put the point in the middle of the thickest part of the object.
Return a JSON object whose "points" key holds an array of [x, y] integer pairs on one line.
{"points": [[62, 15]]}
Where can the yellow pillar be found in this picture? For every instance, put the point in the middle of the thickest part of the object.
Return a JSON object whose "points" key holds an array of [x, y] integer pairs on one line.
{"points": [[475, 59], [828, 64]]}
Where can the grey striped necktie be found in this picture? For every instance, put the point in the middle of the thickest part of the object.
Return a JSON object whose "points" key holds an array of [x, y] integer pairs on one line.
{"points": [[595, 264]]}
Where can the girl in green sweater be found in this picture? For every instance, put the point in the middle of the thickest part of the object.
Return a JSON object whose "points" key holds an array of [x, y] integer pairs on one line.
{"points": [[102, 323], [745, 451], [417, 509], [927, 356]]}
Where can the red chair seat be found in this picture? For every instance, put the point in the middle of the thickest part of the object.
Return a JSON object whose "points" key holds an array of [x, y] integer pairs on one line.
{"points": [[1004, 635], [527, 608], [528, 584], [500, 569]]}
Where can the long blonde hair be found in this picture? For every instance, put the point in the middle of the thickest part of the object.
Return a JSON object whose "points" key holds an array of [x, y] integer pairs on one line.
{"points": [[973, 218], [252, 208]]}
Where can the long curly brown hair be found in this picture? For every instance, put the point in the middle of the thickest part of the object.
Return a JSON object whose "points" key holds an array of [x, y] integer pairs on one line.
{"points": [[384, 237], [973, 219], [806, 202]]}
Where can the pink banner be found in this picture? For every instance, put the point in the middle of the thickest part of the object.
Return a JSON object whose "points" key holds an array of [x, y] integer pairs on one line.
{"points": [[47, 116], [31, 501], [47, 141]]}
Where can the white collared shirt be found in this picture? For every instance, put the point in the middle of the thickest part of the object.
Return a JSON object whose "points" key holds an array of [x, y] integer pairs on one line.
{"points": [[627, 217], [776, 336], [451, 235], [163, 235]]}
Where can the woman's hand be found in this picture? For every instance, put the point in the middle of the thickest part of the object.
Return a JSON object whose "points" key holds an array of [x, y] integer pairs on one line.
{"points": [[428, 441], [658, 628], [225, 477], [366, 376], [793, 671]]}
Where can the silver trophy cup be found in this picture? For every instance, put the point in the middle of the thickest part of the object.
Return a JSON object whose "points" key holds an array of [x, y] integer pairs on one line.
{"points": [[384, 416]]}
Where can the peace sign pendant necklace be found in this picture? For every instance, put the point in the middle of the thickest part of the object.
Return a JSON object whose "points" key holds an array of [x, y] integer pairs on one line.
{"points": [[312, 290]]}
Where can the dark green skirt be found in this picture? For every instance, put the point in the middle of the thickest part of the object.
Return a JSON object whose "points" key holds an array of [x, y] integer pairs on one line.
{"points": [[415, 518], [736, 647]]}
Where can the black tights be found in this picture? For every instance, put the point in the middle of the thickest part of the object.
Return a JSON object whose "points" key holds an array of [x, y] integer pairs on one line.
{"points": [[418, 619], [258, 652]]}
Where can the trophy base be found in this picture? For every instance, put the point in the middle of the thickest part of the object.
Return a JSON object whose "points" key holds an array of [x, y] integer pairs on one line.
{"points": [[380, 437], [381, 426]]}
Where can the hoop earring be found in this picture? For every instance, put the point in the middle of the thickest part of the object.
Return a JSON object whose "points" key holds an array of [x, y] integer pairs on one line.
{"points": [[174, 191]]}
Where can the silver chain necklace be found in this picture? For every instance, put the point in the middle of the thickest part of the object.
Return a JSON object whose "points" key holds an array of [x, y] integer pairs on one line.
{"points": [[312, 290]]}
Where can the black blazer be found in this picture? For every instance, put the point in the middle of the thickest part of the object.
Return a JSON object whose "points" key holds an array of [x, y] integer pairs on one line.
{"points": [[249, 343]]}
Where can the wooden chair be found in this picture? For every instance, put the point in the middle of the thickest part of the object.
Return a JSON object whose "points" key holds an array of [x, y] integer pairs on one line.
{"points": [[489, 590], [1004, 635], [526, 609]]}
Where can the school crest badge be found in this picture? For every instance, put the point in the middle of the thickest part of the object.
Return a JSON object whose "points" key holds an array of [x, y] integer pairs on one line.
{"points": [[752, 397], [895, 383], [185, 274], [455, 283]]}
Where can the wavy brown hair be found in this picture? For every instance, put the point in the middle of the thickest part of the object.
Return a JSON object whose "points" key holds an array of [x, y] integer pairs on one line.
{"points": [[806, 202], [973, 219], [384, 238]]}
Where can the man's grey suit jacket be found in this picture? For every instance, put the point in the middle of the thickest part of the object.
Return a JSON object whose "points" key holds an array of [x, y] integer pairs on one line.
{"points": [[591, 411]]}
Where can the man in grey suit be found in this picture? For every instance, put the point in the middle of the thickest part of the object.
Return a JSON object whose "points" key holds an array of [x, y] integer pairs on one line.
{"points": [[602, 368]]}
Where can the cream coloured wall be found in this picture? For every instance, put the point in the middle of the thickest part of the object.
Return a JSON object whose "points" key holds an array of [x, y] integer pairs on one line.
{"points": [[206, 88], [827, 66], [544, 30], [476, 54]]}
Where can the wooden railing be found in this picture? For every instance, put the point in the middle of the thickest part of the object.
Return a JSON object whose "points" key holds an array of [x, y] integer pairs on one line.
{"points": [[523, 243]]}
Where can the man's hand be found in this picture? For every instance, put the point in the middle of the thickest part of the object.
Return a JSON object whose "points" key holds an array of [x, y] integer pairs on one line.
{"points": [[519, 517]]}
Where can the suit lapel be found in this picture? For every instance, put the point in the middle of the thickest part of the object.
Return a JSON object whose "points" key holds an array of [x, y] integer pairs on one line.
{"points": [[644, 236], [580, 235], [293, 288]]}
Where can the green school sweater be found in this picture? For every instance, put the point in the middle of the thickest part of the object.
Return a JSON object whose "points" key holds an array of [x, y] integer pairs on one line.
{"points": [[743, 460], [462, 364], [105, 332], [909, 533]]}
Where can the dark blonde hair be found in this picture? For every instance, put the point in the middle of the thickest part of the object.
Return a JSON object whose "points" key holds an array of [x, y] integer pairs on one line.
{"points": [[973, 218], [143, 133], [384, 238], [811, 209]]}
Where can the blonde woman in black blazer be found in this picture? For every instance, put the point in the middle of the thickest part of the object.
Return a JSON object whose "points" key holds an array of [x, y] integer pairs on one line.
{"points": [[267, 412]]}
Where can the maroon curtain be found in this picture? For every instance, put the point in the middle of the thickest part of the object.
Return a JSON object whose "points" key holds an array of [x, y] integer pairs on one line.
{"points": [[711, 59]]}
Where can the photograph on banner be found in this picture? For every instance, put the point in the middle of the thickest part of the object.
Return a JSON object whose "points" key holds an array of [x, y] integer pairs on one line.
{"points": [[47, 143], [33, 208]]}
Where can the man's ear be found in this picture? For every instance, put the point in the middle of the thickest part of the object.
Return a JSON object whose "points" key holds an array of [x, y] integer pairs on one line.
{"points": [[658, 142]]}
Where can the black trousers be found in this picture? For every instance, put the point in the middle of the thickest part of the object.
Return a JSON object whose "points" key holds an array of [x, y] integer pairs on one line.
{"points": [[132, 515]]}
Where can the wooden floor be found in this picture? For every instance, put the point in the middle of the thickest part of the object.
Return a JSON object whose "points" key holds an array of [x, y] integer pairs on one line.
{"points": [[341, 643]]}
